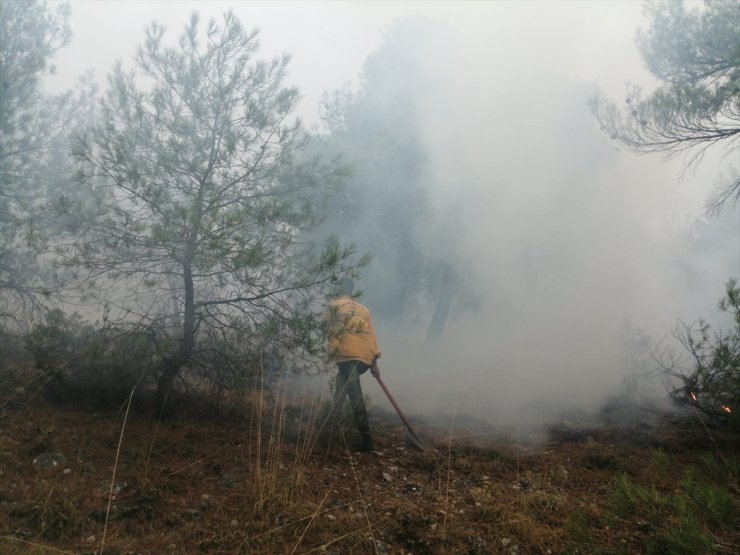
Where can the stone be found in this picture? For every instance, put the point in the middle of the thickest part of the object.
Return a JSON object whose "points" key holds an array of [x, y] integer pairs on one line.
{"points": [[387, 477], [49, 461]]}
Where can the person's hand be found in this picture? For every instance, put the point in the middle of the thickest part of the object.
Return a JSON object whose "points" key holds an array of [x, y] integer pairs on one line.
{"points": [[378, 355], [374, 370]]}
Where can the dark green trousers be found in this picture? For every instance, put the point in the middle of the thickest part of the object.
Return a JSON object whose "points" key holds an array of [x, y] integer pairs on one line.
{"points": [[348, 384]]}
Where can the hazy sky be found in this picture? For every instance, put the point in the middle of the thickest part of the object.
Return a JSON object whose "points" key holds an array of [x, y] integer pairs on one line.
{"points": [[564, 238], [329, 41]]}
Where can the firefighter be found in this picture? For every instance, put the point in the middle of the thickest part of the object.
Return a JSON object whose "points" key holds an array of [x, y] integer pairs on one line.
{"points": [[353, 347]]}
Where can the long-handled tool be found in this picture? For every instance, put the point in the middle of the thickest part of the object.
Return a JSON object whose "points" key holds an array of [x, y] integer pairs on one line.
{"points": [[416, 441]]}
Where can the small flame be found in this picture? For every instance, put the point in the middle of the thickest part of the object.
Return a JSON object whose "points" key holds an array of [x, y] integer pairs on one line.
{"points": [[693, 396], [726, 409]]}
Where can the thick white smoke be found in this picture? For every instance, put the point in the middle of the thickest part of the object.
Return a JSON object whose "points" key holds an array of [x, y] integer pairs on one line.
{"points": [[561, 241]]}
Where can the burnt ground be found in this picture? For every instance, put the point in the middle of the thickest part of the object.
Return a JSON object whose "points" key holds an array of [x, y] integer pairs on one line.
{"points": [[74, 480]]}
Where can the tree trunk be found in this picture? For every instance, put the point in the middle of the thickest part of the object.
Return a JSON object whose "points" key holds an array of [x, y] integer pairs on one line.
{"points": [[443, 304], [172, 365], [170, 370]]}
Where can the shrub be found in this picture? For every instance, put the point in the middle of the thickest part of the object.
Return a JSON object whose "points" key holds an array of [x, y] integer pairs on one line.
{"points": [[95, 366], [684, 520], [629, 498], [13, 357], [100, 365], [685, 537], [710, 380], [713, 501], [58, 339]]}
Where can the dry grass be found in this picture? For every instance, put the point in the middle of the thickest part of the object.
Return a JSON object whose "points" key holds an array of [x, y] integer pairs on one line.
{"points": [[259, 484]]}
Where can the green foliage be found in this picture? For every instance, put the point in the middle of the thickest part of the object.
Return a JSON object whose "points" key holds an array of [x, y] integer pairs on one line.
{"points": [[33, 129], [57, 338], [205, 189], [31, 36], [694, 53], [712, 381], [685, 537], [677, 525], [96, 366], [721, 469], [12, 351], [661, 459], [684, 519], [580, 525], [714, 502], [629, 498]]}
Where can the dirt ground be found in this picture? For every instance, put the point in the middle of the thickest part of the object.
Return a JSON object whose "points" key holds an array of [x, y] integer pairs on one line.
{"points": [[78, 481]]}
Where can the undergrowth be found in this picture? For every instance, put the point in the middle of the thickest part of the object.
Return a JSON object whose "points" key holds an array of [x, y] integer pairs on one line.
{"points": [[687, 518], [284, 478]]}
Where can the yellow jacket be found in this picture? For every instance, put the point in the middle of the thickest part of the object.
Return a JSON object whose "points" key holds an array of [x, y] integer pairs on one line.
{"points": [[350, 331]]}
